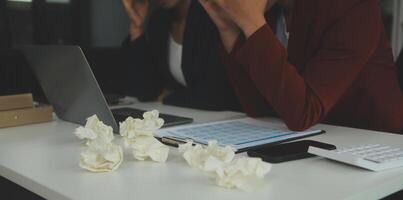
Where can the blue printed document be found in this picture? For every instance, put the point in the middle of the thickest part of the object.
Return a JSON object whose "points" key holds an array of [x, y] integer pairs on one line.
{"points": [[241, 134]]}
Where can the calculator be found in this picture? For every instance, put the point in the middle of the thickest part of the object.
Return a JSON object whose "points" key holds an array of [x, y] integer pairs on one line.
{"points": [[374, 157]]}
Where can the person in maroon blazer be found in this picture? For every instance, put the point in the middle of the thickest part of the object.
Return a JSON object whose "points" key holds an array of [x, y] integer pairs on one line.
{"points": [[334, 64]]}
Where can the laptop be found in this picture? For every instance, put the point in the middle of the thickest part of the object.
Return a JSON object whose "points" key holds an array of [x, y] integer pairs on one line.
{"points": [[72, 89]]}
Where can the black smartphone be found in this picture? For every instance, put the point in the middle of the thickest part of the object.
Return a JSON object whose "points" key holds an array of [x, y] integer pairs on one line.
{"points": [[288, 151]]}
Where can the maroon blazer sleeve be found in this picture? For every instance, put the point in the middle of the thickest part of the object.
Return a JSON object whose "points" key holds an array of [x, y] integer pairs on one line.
{"points": [[260, 71], [244, 87]]}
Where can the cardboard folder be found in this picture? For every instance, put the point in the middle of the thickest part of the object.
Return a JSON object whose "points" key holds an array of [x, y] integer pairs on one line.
{"points": [[19, 101], [17, 117], [19, 109]]}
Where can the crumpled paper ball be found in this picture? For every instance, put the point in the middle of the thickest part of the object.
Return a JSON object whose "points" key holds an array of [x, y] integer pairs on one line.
{"points": [[146, 147], [104, 158], [85, 133], [138, 135], [95, 129], [132, 128], [243, 173], [196, 156], [219, 163], [101, 154]]}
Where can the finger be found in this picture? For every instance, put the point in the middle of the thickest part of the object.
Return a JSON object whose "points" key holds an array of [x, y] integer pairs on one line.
{"points": [[218, 3], [127, 4], [213, 10], [142, 8], [132, 13], [207, 5], [136, 18], [204, 3]]}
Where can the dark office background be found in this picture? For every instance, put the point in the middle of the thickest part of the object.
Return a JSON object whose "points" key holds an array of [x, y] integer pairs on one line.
{"points": [[88, 23], [82, 22], [92, 24]]}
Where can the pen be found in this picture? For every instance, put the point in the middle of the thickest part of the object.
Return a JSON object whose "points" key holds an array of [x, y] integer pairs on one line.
{"points": [[175, 141]]}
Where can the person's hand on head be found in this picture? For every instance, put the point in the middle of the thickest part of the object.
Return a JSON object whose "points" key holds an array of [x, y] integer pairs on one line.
{"points": [[247, 14], [229, 31], [137, 12]]}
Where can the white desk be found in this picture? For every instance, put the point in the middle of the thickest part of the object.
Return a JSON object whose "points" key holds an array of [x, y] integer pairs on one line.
{"points": [[44, 159]]}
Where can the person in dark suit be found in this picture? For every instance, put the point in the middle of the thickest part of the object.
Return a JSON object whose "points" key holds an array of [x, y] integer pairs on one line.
{"points": [[311, 61], [173, 52]]}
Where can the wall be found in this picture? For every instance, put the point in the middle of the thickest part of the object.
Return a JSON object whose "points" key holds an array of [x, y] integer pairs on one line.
{"points": [[397, 34], [109, 23]]}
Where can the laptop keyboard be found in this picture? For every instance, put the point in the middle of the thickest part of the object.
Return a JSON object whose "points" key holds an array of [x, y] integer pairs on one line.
{"points": [[121, 114]]}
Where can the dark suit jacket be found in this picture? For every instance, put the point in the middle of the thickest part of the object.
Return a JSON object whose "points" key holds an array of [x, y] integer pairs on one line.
{"points": [[338, 69], [207, 82]]}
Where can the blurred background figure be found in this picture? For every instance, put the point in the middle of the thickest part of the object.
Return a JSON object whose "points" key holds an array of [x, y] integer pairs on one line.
{"points": [[173, 55], [97, 25]]}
